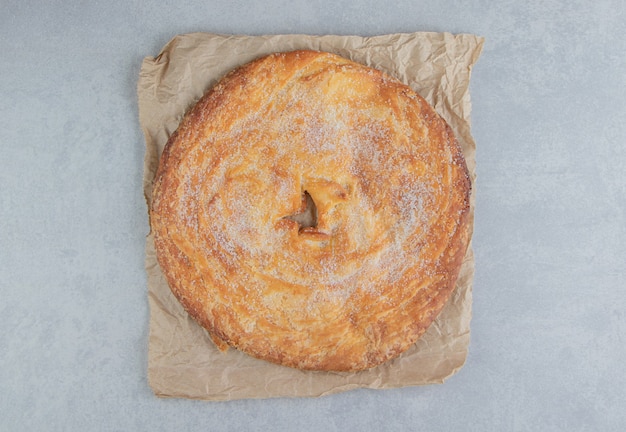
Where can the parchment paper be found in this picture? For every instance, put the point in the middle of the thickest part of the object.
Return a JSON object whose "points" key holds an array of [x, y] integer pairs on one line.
{"points": [[182, 360]]}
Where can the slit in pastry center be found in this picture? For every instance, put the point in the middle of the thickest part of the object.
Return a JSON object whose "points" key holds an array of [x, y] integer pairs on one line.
{"points": [[307, 218]]}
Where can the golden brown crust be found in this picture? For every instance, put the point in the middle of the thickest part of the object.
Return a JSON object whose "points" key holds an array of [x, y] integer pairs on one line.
{"points": [[390, 224]]}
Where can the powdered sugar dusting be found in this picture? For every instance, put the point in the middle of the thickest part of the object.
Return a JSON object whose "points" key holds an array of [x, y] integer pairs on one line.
{"points": [[360, 158]]}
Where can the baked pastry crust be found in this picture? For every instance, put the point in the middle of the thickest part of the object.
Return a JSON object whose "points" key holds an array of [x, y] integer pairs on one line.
{"points": [[382, 178]]}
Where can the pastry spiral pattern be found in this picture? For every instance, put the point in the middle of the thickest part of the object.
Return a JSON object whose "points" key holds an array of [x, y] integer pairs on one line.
{"points": [[312, 212]]}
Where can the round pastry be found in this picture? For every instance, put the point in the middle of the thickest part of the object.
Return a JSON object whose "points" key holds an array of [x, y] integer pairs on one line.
{"points": [[312, 212]]}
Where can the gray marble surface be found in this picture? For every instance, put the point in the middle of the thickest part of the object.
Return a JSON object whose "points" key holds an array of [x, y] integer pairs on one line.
{"points": [[549, 118]]}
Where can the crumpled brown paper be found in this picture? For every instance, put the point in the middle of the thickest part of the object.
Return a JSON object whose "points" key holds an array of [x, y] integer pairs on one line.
{"points": [[183, 362]]}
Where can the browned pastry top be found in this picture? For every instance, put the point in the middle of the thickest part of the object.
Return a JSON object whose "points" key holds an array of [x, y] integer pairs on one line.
{"points": [[312, 212]]}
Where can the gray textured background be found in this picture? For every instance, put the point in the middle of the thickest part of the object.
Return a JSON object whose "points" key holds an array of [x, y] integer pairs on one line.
{"points": [[549, 119]]}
